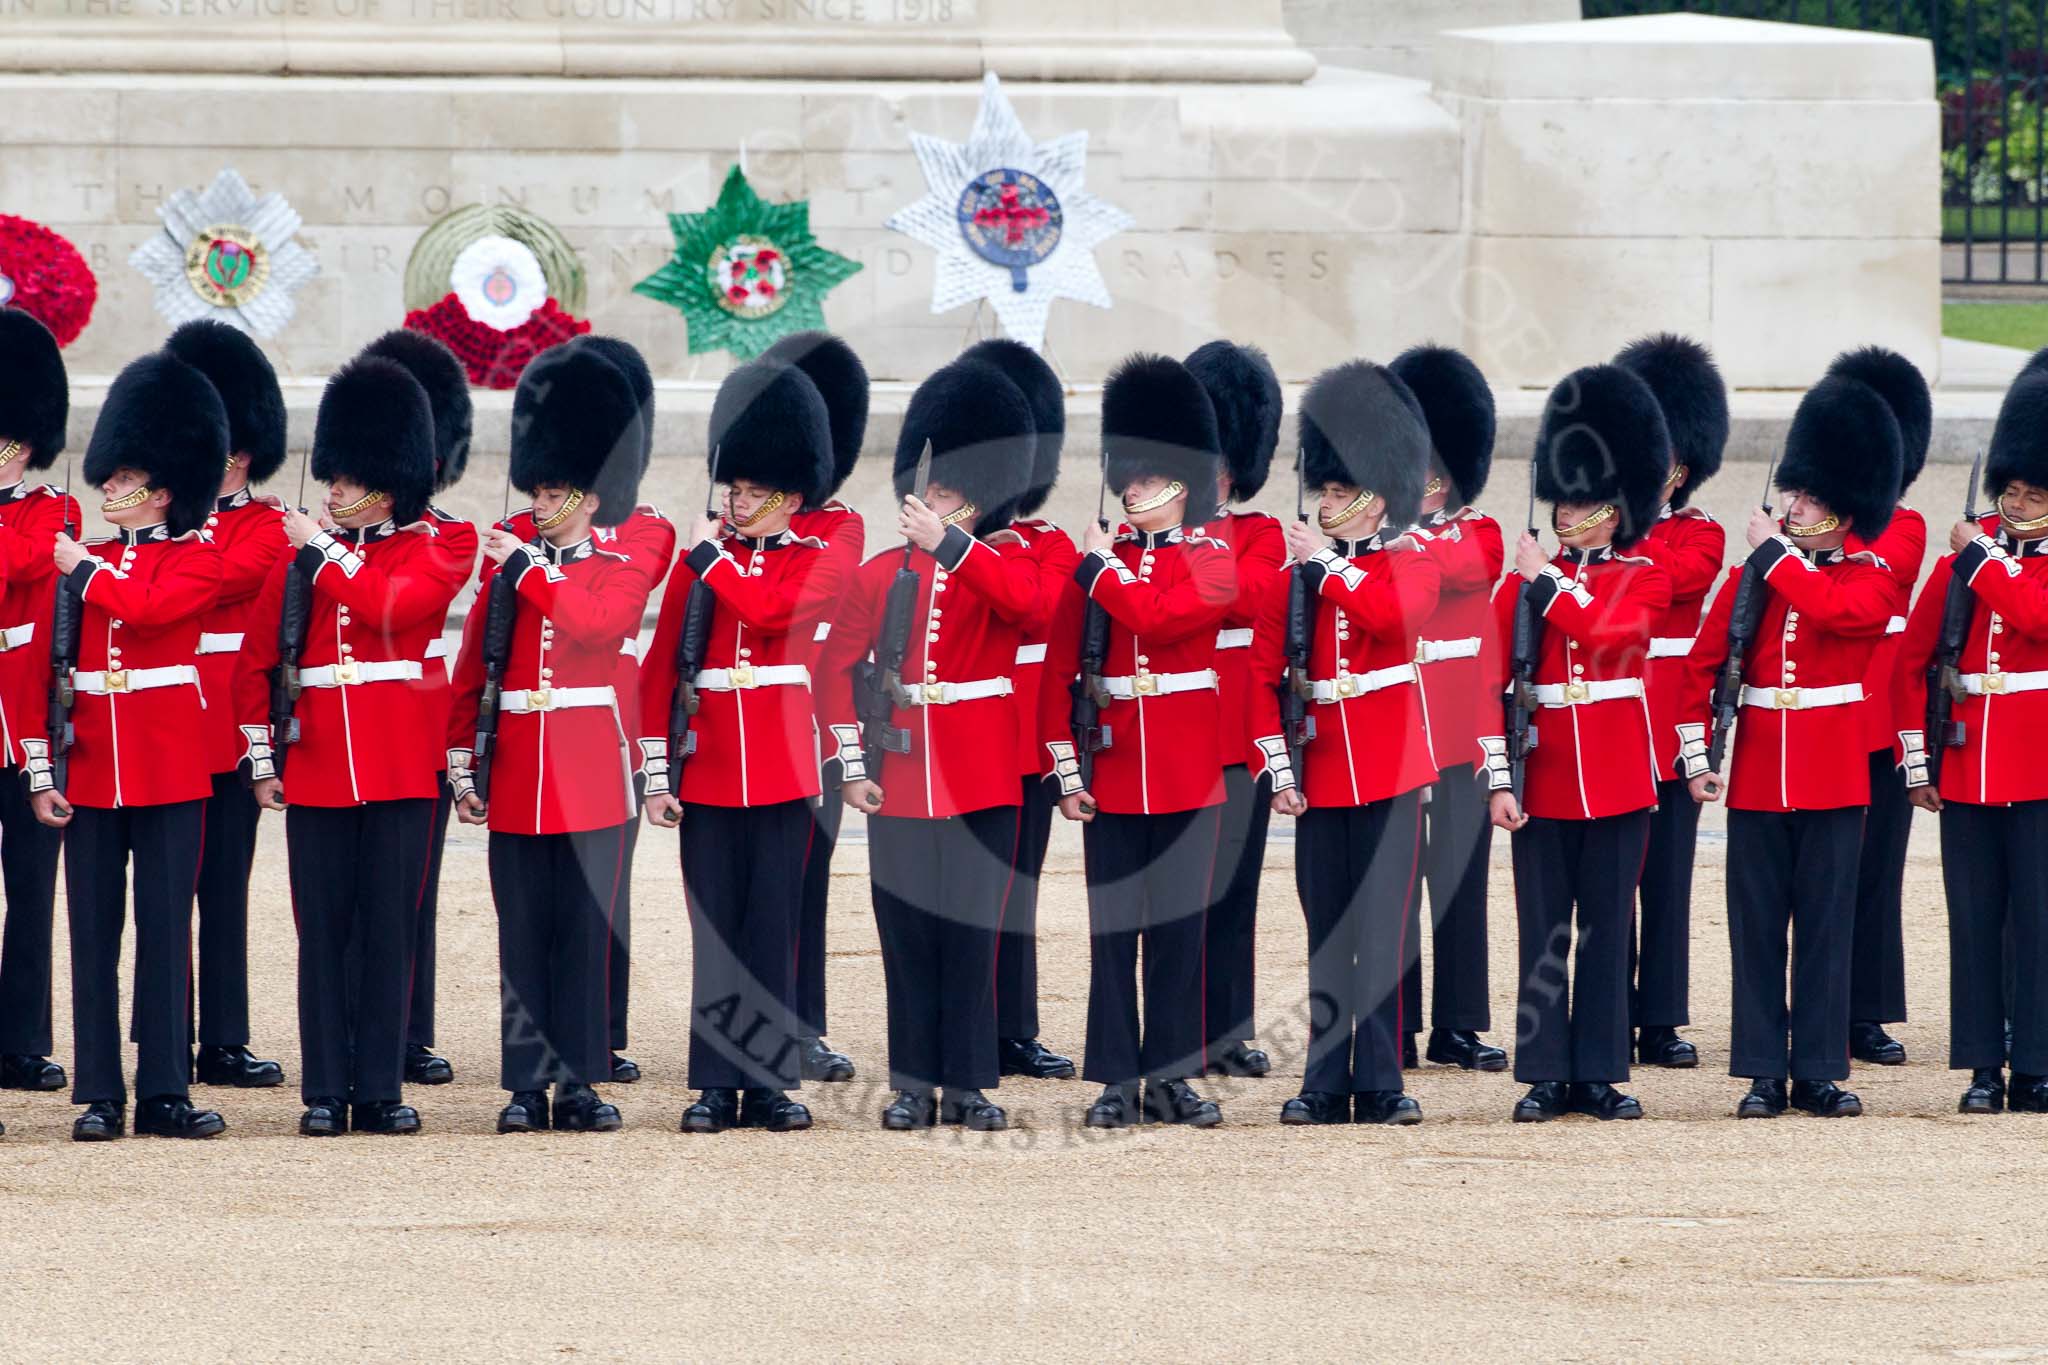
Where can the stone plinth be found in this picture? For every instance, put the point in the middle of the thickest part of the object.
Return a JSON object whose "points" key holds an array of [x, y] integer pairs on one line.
{"points": [[1397, 36]]}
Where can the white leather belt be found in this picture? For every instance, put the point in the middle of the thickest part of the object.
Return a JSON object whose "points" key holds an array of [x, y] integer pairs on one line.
{"points": [[220, 642], [1160, 684], [1670, 646], [1431, 651], [1237, 637], [520, 701], [1801, 698], [747, 676], [98, 682], [631, 649], [946, 693], [437, 648], [1895, 626], [1031, 654], [1978, 684], [14, 637], [1585, 693], [354, 674], [1358, 684]]}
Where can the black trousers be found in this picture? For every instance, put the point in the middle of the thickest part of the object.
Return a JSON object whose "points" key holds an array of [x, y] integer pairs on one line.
{"points": [[1994, 866], [356, 875], [1355, 867], [1457, 839], [938, 888], [28, 872], [163, 844], [1877, 959], [419, 1015], [1148, 879], [810, 933], [743, 882], [1571, 1011], [1229, 931], [620, 966], [1017, 949], [224, 863], [1660, 948], [1792, 875], [555, 894]]}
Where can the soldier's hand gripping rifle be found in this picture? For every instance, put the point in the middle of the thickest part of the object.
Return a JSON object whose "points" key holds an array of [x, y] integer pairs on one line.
{"points": [[692, 643], [879, 680], [67, 614], [1091, 736], [501, 613], [1744, 619], [292, 621], [1296, 725], [1526, 644], [1944, 676]]}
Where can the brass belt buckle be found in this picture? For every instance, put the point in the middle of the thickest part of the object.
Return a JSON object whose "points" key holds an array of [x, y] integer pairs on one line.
{"points": [[345, 673], [116, 680], [539, 698], [934, 694], [1994, 682], [1577, 691], [1347, 686], [1145, 685], [741, 675], [1786, 699]]}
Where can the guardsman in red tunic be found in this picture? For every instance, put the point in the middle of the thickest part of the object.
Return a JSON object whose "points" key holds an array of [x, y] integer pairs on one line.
{"points": [[560, 788], [244, 528], [743, 783], [1583, 820], [137, 787], [361, 781], [1456, 835], [1877, 956], [34, 402], [1992, 793], [1357, 797], [1689, 544], [1245, 394], [942, 810], [1151, 798], [843, 382], [1795, 819], [1017, 1044]]}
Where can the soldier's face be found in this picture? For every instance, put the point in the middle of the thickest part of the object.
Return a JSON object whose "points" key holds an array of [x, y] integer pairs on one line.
{"points": [[1146, 488], [121, 485], [942, 500], [343, 495], [1339, 511], [2020, 502], [548, 502], [1569, 514], [1802, 509], [747, 507]]}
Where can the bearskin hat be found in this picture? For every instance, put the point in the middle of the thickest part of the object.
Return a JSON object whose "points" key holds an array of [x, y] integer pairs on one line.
{"points": [[34, 395], [979, 424], [1246, 395], [163, 417], [241, 374], [1027, 369], [770, 425], [2019, 443], [1904, 389], [376, 428], [1689, 389], [842, 381], [1359, 425], [633, 365], [1157, 419], [447, 386], [1603, 439], [1457, 405], [1845, 448], [576, 423]]}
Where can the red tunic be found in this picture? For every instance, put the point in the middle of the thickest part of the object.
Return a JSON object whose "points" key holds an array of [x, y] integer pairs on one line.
{"points": [[556, 769], [249, 532], [1165, 594], [756, 745], [459, 539], [1688, 544], [648, 541], [143, 599], [1372, 741], [1468, 550], [1592, 758], [845, 538], [30, 517], [1261, 550], [1823, 618], [974, 601], [379, 594], [1057, 556], [1902, 546]]}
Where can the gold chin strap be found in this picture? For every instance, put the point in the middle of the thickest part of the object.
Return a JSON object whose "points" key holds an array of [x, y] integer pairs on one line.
{"points": [[768, 504], [1606, 511], [1819, 528], [1676, 477], [127, 500], [1159, 499], [2036, 524], [1350, 509], [10, 451], [1433, 487], [366, 500], [964, 512]]}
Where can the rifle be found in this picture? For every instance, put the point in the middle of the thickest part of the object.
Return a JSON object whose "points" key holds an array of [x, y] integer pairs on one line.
{"points": [[292, 622], [66, 616], [1744, 619], [1527, 644], [879, 679], [1091, 736], [691, 645], [500, 615], [1296, 725], [1944, 679]]}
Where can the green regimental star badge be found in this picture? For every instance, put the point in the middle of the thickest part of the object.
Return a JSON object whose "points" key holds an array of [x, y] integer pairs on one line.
{"points": [[747, 272]]}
